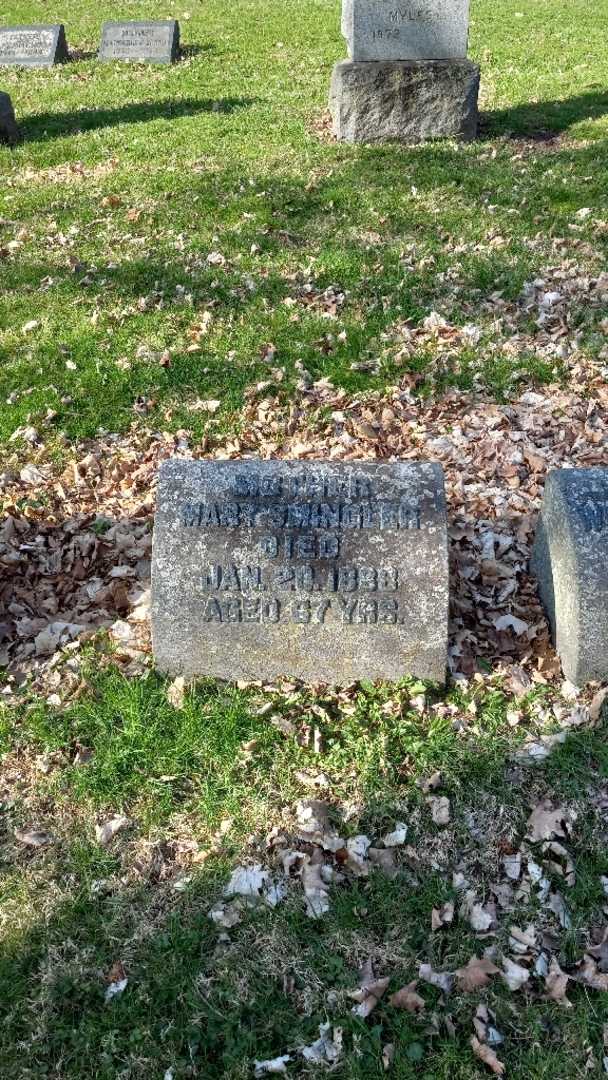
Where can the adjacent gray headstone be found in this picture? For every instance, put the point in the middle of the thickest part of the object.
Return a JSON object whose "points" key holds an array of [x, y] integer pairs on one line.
{"points": [[571, 562], [406, 29], [404, 101], [9, 132], [33, 46], [153, 42], [325, 572]]}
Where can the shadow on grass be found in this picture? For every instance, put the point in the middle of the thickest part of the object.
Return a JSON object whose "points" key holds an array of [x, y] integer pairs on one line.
{"points": [[206, 1003], [431, 200], [44, 126], [541, 119]]}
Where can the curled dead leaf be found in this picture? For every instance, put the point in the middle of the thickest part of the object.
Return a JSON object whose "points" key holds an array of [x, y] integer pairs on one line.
{"points": [[368, 994], [556, 984], [487, 1055], [106, 832]]}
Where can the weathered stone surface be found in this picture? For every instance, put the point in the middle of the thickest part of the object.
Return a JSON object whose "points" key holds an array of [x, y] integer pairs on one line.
{"points": [[154, 42], [404, 101], [33, 46], [406, 29], [326, 572], [9, 132], [571, 562]]}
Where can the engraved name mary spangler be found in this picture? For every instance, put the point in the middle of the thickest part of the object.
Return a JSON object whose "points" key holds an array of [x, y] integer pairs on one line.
{"points": [[294, 569], [329, 571]]}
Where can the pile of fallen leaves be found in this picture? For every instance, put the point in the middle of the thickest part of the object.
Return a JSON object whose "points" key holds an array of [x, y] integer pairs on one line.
{"points": [[315, 858], [75, 546]]}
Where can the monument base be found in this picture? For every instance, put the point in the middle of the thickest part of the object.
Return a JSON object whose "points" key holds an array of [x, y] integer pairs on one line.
{"points": [[404, 100], [9, 132]]}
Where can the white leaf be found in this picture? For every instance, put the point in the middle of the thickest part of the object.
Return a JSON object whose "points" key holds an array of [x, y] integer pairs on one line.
{"points": [[326, 1050], [275, 1066], [511, 622], [248, 881], [514, 975], [106, 832], [443, 980], [115, 989], [397, 837]]}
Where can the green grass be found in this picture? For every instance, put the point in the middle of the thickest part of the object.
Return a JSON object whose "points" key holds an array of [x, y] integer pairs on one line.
{"points": [[207, 1005], [222, 152]]}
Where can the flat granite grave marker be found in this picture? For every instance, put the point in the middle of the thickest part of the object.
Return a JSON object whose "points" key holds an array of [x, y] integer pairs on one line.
{"points": [[325, 572], [33, 46], [570, 559], [406, 30], [9, 132], [152, 42]]}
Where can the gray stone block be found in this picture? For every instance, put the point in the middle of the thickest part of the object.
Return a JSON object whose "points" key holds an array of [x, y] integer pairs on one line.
{"points": [[325, 572], [9, 132], [142, 41], [406, 29], [406, 101], [33, 46], [570, 559]]}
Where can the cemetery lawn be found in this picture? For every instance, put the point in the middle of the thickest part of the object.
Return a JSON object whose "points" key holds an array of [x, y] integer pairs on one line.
{"points": [[189, 264], [161, 227]]}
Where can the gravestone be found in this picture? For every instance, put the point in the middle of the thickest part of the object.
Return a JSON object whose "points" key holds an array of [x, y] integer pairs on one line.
{"points": [[408, 77], [33, 46], [393, 30], [570, 560], [9, 132], [325, 572], [152, 42]]}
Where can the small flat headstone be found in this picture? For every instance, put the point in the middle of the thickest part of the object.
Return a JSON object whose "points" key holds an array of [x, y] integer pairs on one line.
{"points": [[33, 46], [9, 131], [324, 572], [151, 42], [406, 29], [570, 560]]}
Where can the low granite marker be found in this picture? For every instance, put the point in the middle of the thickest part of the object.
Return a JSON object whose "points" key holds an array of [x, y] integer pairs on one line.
{"points": [[151, 42], [570, 560], [9, 132], [33, 46], [325, 572], [408, 77]]}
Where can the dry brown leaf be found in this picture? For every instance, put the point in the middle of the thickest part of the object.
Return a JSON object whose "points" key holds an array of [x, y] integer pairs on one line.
{"points": [[369, 992], [556, 984], [388, 1056], [565, 866], [547, 822], [588, 974], [476, 974], [408, 999], [443, 916], [34, 838], [176, 691], [487, 1055]]}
